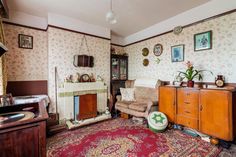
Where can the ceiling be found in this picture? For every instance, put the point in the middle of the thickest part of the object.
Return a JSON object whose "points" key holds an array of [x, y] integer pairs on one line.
{"points": [[133, 15]]}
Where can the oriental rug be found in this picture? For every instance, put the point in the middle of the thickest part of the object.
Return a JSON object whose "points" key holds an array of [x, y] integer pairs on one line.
{"points": [[123, 138]]}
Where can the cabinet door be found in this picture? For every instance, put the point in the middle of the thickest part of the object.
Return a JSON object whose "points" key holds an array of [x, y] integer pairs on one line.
{"points": [[20, 142], [216, 113], [87, 106], [123, 69], [167, 96], [115, 73]]}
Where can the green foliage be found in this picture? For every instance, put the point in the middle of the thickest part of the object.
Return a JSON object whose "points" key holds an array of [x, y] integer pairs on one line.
{"points": [[191, 73]]}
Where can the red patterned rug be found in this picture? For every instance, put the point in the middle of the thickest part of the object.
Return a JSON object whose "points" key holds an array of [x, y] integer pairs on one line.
{"points": [[123, 138]]}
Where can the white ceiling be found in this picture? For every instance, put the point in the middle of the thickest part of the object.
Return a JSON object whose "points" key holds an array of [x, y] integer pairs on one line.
{"points": [[133, 15]]}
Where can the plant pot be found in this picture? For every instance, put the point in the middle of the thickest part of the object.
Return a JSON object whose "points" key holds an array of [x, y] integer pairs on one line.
{"points": [[190, 83]]}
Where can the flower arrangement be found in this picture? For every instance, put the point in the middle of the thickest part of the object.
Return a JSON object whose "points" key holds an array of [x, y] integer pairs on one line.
{"points": [[191, 74]]}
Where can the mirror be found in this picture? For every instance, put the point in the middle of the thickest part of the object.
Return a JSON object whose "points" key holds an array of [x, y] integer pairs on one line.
{"points": [[83, 61]]}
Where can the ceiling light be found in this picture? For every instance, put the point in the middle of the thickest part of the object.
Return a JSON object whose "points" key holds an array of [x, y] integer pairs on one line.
{"points": [[111, 16]]}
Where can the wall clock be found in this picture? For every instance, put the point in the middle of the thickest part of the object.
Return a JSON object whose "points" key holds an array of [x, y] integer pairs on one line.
{"points": [[157, 50], [85, 78], [177, 30]]}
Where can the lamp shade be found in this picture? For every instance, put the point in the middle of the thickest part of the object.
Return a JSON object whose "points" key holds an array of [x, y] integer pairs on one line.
{"points": [[111, 17]]}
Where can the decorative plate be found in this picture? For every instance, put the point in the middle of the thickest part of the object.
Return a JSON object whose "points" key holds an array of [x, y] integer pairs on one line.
{"points": [[145, 51], [145, 62], [157, 50], [177, 30]]}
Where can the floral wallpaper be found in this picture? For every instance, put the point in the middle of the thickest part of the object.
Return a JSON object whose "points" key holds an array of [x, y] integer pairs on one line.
{"points": [[1, 78], [118, 49], [63, 45], [220, 59], [26, 64]]}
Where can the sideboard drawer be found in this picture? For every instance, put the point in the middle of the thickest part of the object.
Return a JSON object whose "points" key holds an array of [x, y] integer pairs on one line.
{"points": [[188, 122], [187, 111], [188, 97]]}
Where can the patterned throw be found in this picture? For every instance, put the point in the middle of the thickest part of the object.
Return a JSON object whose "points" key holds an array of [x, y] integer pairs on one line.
{"points": [[123, 138]]}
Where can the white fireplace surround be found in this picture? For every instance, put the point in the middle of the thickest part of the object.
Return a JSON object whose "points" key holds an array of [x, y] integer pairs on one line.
{"points": [[67, 92]]}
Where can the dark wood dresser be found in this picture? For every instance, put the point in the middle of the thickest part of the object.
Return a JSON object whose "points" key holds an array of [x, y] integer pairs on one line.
{"points": [[26, 138]]}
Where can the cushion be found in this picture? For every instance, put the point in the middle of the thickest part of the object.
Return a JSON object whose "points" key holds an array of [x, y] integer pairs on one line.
{"points": [[124, 104], [138, 106], [127, 94]]}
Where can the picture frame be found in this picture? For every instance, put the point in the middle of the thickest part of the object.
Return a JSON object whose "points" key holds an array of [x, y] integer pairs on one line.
{"points": [[177, 53], [203, 41], [25, 41], [157, 50]]}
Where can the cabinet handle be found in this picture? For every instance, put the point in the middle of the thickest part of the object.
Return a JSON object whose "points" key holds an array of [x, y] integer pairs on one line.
{"points": [[187, 102], [201, 108], [187, 112]]}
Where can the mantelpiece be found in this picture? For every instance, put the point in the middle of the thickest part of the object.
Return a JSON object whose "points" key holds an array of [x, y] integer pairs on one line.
{"points": [[68, 91]]}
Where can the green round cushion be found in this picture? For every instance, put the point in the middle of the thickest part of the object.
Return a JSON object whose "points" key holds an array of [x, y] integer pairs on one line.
{"points": [[157, 121]]}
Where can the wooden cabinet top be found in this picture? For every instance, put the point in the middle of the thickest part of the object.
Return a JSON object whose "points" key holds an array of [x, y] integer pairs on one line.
{"points": [[227, 88]]}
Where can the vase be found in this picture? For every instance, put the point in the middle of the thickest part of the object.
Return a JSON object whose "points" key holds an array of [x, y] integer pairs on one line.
{"points": [[190, 83]]}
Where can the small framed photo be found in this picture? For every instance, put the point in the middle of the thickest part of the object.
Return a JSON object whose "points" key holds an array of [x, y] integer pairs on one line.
{"points": [[25, 41], [203, 41], [177, 53]]}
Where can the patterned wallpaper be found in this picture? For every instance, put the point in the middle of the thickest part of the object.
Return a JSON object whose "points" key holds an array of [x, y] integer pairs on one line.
{"points": [[26, 64], [63, 45], [220, 59], [1, 78], [118, 49]]}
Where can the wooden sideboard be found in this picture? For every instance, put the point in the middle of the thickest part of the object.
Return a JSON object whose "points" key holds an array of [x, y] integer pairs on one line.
{"points": [[211, 111]]}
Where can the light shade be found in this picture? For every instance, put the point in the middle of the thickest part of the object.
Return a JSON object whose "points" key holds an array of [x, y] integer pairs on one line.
{"points": [[111, 17]]}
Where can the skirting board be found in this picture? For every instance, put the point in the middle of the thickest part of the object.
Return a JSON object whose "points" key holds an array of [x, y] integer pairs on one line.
{"points": [[80, 123]]}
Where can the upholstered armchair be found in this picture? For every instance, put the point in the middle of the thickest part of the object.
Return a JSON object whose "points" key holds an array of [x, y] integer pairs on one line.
{"points": [[143, 98]]}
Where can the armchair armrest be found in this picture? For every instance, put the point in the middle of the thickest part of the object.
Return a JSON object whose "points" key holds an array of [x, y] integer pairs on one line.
{"points": [[118, 97]]}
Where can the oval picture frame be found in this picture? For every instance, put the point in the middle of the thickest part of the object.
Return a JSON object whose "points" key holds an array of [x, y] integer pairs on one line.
{"points": [[145, 51], [157, 50]]}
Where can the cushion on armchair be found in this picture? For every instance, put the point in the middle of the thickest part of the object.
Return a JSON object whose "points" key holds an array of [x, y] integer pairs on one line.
{"points": [[138, 106], [124, 104], [127, 94]]}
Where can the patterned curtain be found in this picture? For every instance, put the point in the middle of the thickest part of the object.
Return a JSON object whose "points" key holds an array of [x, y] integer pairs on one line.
{"points": [[3, 72]]}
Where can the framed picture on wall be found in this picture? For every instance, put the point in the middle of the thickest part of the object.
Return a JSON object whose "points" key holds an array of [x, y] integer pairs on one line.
{"points": [[177, 53], [25, 41], [203, 41]]}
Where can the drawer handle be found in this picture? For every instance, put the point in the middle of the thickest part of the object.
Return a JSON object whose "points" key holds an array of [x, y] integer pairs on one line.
{"points": [[187, 112], [187, 102], [187, 94]]}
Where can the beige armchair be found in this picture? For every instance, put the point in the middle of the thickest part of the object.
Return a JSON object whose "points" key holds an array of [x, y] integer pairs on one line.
{"points": [[145, 100]]}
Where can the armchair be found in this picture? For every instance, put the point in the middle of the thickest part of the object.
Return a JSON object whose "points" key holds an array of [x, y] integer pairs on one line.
{"points": [[145, 99]]}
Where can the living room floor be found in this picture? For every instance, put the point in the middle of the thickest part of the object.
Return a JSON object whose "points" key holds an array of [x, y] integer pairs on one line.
{"points": [[122, 137]]}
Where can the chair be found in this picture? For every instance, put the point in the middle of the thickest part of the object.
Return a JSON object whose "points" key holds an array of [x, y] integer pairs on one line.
{"points": [[145, 99]]}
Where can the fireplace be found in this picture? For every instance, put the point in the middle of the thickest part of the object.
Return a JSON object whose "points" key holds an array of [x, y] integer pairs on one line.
{"points": [[85, 106], [82, 101]]}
